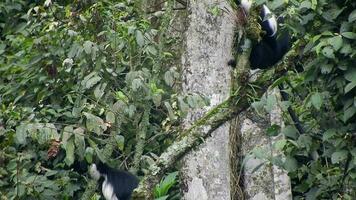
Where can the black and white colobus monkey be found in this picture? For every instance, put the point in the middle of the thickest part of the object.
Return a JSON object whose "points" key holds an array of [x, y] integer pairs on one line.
{"points": [[117, 184], [271, 48]]}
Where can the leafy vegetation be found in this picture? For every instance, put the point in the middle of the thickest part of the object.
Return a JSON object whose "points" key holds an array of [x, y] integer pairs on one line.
{"points": [[72, 74], [320, 158], [75, 76]]}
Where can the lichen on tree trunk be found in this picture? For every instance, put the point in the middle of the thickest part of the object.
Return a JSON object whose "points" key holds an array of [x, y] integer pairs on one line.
{"points": [[205, 172]]}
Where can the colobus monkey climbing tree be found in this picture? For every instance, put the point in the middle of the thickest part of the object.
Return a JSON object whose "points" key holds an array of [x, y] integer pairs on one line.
{"points": [[272, 47]]}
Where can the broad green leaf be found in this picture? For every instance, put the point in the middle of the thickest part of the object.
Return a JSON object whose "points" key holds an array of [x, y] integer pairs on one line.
{"points": [[349, 35], [350, 86], [21, 134], [136, 84], [157, 99], [346, 49], [328, 52], [99, 90], [69, 148], [350, 75], [329, 134], [317, 100], [152, 50], [46, 133], [120, 141], [279, 144], [88, 45], [89, 152], [336, 42], [92, 81], [290, 131], [110, 117], [348, 113], [79, 142], [140, 39], [182, 105], [170, 111], [290, 164], [305, 141], [352, 16], [168, 78], [305, 4], [94, 123], [338, 156]]}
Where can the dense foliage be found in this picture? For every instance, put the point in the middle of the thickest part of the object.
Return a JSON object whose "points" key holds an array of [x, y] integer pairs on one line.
{"points": [[73, 77], [321, 155]]}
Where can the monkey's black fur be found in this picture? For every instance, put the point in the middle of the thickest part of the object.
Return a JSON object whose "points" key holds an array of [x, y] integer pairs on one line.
{"points": [[269, 51], [122, 182], [272, 47]]}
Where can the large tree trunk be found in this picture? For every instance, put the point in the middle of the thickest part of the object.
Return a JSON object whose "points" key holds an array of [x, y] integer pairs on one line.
{"points": [[262, 181], [209, 38], [206, 171]]}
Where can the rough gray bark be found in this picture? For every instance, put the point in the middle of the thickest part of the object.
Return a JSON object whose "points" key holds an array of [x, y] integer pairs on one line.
{"points": [[263, 181], [209, 38], [282, 189]]}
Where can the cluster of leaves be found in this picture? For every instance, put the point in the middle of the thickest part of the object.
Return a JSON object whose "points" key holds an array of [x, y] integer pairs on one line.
{"points": [[320, 158], [71, 75]]}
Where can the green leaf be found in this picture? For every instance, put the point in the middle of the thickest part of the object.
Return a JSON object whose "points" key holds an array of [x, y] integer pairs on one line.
{"points": [[110, 117], [136, 84], [290, 131], [336, 42], [350, 86], [279, 144], [91, 82], [349, 112], [170, 111], [94, 123], [290, 164], [338, 156], [140, 39], [350, 75], [152, 50], [88, 45], [305, 141], [352, 16], [273, 130], [69, 148], [46, 133], [305, 4], [79, 142], [317, 100], [328, 52], [183, 106], [99, 90], [89, 152], [165, 184], [329, 134], [67, 133], [120, 141], [349, 35], [168, 78], [21, 134]]}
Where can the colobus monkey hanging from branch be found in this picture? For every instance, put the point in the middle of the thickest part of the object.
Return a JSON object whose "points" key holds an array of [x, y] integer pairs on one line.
{"points": [[117, 184], [272, 47]]}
